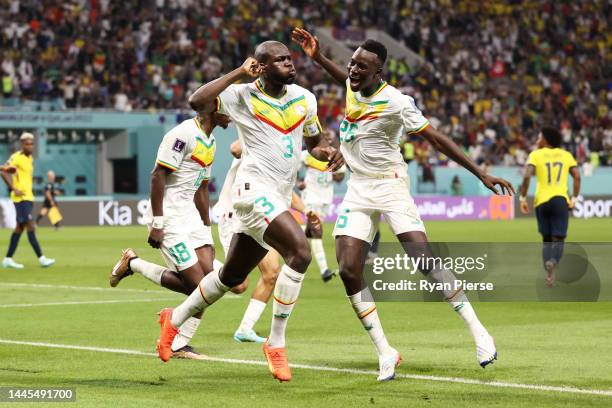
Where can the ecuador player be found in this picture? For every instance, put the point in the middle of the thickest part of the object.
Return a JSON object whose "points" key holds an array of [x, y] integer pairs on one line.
{"points": [[551, 165], [20, 186]]}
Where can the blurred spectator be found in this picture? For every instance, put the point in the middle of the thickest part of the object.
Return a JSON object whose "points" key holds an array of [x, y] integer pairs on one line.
{"points": [[456, 186], [495, 71]]}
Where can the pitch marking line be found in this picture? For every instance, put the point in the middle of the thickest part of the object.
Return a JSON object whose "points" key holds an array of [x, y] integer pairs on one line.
{"points": [[84, 302], [94, 288], [459, 380]]}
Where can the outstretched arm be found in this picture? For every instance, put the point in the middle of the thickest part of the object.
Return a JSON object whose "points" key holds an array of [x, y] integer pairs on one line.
{"points": [[203, 100], [310, 45], [445, 145], [529, 169]]}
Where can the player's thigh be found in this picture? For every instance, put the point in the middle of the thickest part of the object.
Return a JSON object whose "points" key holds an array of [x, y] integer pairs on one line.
{"points": [[559, 217], [286, 236], [543, 219], [243, 255]]}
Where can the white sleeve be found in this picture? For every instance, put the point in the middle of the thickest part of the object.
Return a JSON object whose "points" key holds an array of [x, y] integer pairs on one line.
{"points": [[312, 126], [229, 99], [412, 118], [173, 150]]}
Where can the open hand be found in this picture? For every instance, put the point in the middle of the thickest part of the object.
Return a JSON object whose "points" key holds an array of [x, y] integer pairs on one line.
{"points": [[491, 181], [308, 42]]}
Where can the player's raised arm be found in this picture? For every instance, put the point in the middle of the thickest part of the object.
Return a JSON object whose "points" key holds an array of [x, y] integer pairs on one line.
{"points": [[445, 145], [310, 45], [204, 99]]}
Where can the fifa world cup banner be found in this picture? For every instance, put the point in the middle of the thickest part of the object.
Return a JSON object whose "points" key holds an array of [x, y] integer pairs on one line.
{"points": [[440, 208]]}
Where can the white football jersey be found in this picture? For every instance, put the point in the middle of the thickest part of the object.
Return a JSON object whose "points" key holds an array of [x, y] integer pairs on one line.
{"points": [[319, 181], [270, 129], [372, 127], [224, 204], [189, 153]]}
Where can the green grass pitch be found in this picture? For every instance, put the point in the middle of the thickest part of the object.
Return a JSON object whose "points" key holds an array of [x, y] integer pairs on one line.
{"points": [[542, 344]]}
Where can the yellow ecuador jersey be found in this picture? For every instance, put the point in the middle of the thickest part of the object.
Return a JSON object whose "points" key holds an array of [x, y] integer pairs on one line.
{"points": [[22, 179], [552, 166]]}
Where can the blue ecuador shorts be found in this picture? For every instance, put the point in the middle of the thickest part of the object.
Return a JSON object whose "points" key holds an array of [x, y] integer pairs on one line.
{"points": [[553, 217], [24, 211]]}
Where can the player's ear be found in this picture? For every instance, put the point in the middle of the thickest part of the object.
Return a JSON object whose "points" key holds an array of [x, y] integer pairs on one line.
{"points": [[262, 67]]}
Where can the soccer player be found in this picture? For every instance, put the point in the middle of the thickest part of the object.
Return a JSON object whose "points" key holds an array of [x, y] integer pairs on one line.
{"points": [[273, 116], [551, 165], [20, 186], [269, 265], [377, 114], [178, 218], [318, 195], [50, 192]]}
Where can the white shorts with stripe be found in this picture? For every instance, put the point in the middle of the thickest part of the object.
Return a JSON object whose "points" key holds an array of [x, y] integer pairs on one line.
{"points": [[368, 198]]}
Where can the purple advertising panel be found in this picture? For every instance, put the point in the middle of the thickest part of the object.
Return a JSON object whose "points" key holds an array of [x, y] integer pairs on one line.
{"points": [[453, 208]]}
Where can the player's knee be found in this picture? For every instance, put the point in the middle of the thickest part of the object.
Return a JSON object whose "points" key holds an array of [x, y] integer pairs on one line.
{"points": [[300, 258], [241, 288], [269, 278]]}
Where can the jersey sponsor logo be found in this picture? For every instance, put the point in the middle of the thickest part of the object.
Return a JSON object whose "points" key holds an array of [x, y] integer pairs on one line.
{"points": [[179, 145]]}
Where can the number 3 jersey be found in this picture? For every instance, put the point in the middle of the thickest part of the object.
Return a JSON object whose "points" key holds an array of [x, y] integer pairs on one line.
{"points": [[188, 152], [270, 129], [372, 127]]}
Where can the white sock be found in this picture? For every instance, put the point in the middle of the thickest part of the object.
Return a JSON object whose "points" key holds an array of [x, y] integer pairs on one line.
{"points": [[463, 307], [147, 269], [208, 292], [185, 334], [251, 315], [365, 309], [217, 264], [317, 249], [286, 293]]}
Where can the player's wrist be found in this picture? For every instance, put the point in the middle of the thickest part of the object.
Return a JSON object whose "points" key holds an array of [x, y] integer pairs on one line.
{"points": [[158, 222]]}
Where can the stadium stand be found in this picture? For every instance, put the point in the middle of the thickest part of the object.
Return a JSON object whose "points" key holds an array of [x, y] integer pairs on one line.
{"points": [[496, 71]]}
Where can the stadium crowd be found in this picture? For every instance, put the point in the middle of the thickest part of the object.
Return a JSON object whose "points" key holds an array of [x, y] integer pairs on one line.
{"points": [[494, 73]]}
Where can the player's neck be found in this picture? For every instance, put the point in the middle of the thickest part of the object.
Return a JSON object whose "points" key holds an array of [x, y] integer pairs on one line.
{"points": [[371, 89], [275, 90], [26, 153], [206, 125]]}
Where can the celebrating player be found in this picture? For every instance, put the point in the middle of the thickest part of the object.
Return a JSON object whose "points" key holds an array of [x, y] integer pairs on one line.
{"points": [[551, 165], [21, 163], [178, 218], [318, 195], [269, 265], [377, 114], [272, 116]]}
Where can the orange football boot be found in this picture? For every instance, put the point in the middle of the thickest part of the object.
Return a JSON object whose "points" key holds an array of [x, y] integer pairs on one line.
{"points": [[277, 362], [168, 333]]}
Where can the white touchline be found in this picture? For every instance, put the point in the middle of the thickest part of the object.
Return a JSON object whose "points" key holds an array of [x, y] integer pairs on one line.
{"points": [[499, 384], [93, 288], [85, 302]]}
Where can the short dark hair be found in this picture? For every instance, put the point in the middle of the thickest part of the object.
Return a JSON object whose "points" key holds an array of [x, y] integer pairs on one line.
{"points": [[377, 48], [552, 136]]}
